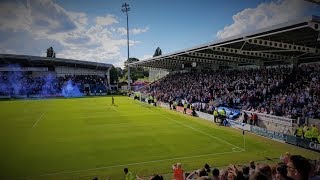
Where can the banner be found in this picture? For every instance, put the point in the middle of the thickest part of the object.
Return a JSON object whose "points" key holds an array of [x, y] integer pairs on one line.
{"points": [[269, 134], [239, 125], [303, 143], [272, 119]]}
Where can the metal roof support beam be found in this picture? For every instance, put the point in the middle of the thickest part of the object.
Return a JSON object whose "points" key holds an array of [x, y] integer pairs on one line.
{"points": [[280, 45], [249, 53], [202, 60], [225, 58]]}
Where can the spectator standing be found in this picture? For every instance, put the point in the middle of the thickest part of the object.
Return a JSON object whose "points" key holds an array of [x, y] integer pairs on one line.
{"points": [[245, 117], [185, 105], [245, 171], [255, 119], [299, 132], [177, 172], [252, 167], [308, 134], [129, 175], [315, 133], [215, 115], [285, 158], [215, 174], [281, 172], [251, 119], [298, 168], [305, 128]]}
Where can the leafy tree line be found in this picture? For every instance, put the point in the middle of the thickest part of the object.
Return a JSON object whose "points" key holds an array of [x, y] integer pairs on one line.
{"points": [[116, 73]]}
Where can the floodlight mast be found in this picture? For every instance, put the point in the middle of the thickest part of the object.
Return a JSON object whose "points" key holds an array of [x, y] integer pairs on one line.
{"points": [[126, 9]]}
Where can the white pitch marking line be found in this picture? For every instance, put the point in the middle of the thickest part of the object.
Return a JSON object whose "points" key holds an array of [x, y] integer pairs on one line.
{"points": [[202, 132], [138, 163], [38, 119], [197, 130]]}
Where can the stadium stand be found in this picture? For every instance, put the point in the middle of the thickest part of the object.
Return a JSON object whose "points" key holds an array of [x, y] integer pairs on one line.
{"points": [[273, 72], [31, 76], [289, 92]]}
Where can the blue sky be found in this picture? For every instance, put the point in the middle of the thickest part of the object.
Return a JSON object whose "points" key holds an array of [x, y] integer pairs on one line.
{"points": [[95, 30]]}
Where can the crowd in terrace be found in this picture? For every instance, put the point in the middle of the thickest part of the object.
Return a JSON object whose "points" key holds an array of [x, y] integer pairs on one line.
{"points": [[290, 167], [19, 83], [282, 91]]}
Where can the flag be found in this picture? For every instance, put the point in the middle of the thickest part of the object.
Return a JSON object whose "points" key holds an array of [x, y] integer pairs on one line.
{"points": [[242, 132]]}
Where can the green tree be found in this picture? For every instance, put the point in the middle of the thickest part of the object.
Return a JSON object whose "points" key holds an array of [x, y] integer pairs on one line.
{"points": [[114, 75], [158, 52], [120, 72], [135, 72]]}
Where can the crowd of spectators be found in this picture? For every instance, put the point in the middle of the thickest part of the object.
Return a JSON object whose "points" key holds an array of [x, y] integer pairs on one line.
{"points": [[290, 167], [281, 91], [19, 83]]}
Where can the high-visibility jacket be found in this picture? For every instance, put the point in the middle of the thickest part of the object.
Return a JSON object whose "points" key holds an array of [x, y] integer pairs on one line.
{"points": [[130, 176], [305, 128], [215, 113], [299, 131], [315, 132], [319, 139], [223, 113], [308, 134], [185, 105]]}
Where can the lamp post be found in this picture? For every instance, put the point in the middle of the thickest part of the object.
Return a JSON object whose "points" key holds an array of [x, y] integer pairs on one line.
{"points": [[125, 9]]}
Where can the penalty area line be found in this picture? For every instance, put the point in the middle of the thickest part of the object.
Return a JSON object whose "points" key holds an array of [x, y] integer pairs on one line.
{"points": [[137, 163]]}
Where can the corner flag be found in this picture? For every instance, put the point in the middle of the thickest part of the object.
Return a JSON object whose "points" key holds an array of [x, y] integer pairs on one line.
{"points": [[242, 132]]}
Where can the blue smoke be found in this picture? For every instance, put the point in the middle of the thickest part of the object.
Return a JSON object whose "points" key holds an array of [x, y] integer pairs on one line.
{"points": [[49, 86], [71, 90], [17, 82]]}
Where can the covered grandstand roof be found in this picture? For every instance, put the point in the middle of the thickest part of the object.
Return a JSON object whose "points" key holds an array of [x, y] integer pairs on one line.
{"points": [[45, 61], [296, 41]]}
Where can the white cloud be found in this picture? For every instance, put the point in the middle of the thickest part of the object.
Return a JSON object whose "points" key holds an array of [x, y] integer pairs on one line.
{"points": [[80, 19], [139, 31], [123, 31], [46, 22], [265, 14], [144, 57], [14, 16], [105, 21]]}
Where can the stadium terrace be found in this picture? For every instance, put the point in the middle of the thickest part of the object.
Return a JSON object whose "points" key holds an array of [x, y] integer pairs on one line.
{"points": [[245, 107]]}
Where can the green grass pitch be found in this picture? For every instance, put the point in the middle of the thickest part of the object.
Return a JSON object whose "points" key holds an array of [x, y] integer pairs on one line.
{"points": [[85, 137]]}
